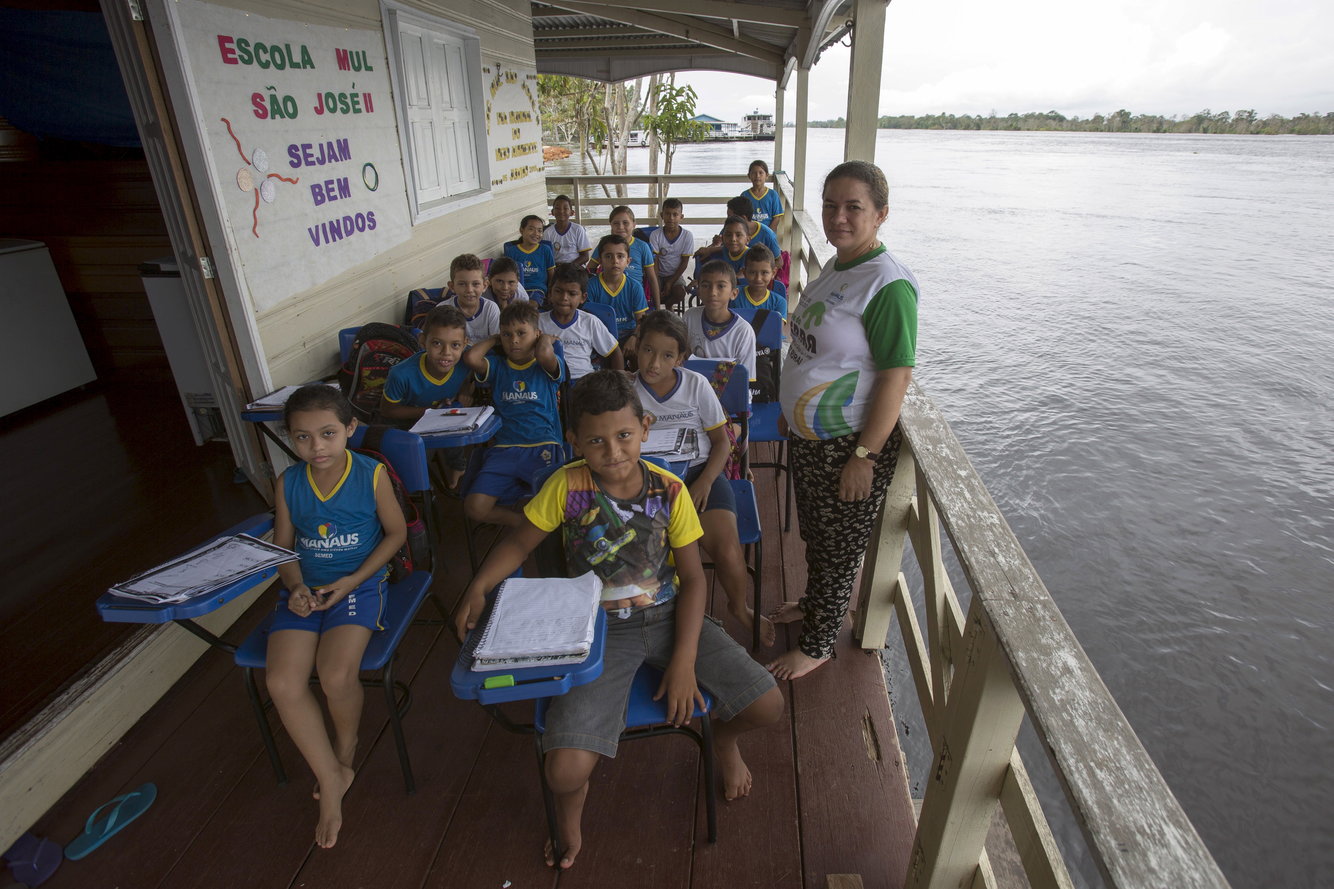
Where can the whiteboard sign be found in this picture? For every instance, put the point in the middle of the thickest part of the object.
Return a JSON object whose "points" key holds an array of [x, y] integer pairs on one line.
{"points": [[304, 156]]}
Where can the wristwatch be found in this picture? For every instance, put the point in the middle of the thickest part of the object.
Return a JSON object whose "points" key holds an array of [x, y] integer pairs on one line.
{"points": [[861, 451]]}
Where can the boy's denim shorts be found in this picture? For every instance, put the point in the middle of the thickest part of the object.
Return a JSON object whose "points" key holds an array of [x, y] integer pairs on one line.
{"points": [[512, 473], [592, 716], [363, 607]]}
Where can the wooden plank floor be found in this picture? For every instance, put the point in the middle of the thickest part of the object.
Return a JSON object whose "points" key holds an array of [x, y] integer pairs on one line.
{"points": [[98, 485], [830, 793]]}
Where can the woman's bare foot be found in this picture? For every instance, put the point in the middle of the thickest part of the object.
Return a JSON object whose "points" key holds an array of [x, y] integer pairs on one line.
{"points": [[567, 857], [345, 754], [733, 770], [788, 612], [746, 615], [793, 665], [331, 808]]}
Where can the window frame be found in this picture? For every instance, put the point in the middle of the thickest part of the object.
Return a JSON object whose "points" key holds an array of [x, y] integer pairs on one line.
{"points": [[393, 16]]}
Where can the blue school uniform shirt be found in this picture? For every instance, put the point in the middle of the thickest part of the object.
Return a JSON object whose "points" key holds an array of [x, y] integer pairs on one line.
{"points": [[641, 257], [335, 532], [627, 299], [765, 235], [411, 383], [773, 301], [767, 208], [525, 397], [533, 264]]}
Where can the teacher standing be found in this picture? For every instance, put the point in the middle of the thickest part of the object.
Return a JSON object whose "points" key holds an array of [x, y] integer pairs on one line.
{"points": [[854, 344]]}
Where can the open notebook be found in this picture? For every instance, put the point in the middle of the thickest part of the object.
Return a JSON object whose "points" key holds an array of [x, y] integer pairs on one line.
{"points": [[542, 620]]}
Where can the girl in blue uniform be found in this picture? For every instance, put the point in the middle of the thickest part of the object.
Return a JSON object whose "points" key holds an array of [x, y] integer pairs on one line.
{"points": [[337, 510]]}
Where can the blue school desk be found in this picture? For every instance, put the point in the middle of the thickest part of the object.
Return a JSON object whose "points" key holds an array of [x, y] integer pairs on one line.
{"points": [[483, 433], [524, 683], [117, 609]]}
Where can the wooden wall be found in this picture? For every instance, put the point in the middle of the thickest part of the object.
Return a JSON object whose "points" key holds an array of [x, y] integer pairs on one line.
{"points": [[100, 220]]}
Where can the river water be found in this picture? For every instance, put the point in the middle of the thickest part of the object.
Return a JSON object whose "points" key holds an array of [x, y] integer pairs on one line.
{"points": [[1133, 337]]}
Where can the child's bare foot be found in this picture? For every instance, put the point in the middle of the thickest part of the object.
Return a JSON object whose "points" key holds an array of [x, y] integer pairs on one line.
{"points": [[746, 615], [345, 753], [788, 612], [567, 857], [793, 665], [734, 771], [331, 808]]}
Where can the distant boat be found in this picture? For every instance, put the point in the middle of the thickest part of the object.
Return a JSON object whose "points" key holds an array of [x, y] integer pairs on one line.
{"points": [[759, 126]]}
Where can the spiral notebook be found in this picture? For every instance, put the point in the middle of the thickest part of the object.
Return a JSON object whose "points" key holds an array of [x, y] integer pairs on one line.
{"points": [[542, 620]]}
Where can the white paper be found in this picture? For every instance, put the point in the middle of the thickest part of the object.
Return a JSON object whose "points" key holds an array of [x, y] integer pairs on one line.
{"points": [[444, 421], [542, 617], [203, 570]]}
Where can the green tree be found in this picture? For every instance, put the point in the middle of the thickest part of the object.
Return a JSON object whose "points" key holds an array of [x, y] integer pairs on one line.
{"points": [[671, 122]]}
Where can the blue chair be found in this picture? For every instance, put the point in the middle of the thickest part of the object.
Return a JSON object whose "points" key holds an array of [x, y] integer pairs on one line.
{"points": [[434, 294], [644, 718], [764, 407], [735, 399], [604, 313], [407, 454]]}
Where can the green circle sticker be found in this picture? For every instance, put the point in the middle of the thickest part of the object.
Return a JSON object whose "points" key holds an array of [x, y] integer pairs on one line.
{"points": [[370, 176]]}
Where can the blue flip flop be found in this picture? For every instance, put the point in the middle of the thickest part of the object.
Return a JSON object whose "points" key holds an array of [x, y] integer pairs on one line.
{"points": [[124, 809], [33, 859]]}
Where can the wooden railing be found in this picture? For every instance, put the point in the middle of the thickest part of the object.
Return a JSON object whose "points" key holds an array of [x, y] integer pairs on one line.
{"points": [[594, 196], [976, 677]]}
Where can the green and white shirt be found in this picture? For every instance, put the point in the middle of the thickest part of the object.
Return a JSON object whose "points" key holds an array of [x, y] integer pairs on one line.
{"points": [[857, 318]]}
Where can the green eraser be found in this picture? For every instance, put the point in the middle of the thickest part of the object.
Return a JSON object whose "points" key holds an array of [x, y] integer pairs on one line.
{"points": [[506, 681]]}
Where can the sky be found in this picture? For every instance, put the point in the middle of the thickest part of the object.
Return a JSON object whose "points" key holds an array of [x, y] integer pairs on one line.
{"points": [[1147, 56]]}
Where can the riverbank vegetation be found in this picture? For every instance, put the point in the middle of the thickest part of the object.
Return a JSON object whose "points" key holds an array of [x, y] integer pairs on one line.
{"points": [[1243, 123]]}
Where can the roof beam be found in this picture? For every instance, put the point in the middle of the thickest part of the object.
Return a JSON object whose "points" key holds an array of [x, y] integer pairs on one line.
{"points": [[564, 33], [720, 9], [696, 32]]}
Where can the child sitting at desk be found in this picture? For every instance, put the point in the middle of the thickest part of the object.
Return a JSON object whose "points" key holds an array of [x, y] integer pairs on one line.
{"points": [[429, 379], [653, 585], [467, 282], [641, 268], [615, 288], [534, 257], [713, 329], [759, 266], [502, 283], [680, 398], [568, 239], [337, 510], [580, 333], [524, 386], [672, 247]]}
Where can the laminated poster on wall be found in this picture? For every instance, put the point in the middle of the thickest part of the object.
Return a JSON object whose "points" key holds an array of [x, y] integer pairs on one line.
{"points": [[302, 143]]}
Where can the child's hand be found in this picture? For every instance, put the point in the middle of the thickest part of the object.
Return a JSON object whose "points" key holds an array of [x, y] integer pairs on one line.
{"points": [[699, 493], [331, 594], [682, 691], [300, 601], [469, 610]]}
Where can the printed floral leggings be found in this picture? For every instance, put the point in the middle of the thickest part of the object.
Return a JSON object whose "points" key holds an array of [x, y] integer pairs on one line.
{"points": [[836, 532]]}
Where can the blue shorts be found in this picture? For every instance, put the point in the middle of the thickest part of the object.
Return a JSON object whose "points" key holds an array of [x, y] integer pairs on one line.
{"points": [[720, 495], [510, 474], [363, 607]]}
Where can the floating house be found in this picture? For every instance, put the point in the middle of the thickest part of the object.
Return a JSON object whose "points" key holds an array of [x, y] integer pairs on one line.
{"points": [[306, 164]]}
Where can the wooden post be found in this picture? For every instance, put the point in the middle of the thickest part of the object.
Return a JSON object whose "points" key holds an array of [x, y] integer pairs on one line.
{"points": [[875, 599], [794, 236], [780, 94], [868, 50], [981, 721]]}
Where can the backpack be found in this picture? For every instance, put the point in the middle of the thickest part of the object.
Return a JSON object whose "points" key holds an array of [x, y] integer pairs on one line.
{"points": [[415, 553], [735, 447], [768, 363], [376, 348]]}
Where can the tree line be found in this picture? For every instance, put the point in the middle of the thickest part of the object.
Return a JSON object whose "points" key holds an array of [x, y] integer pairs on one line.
{"points": [[1244, 122]]}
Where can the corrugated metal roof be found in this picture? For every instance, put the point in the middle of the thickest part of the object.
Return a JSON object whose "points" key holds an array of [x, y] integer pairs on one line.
{"points": [[613, 41]]}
